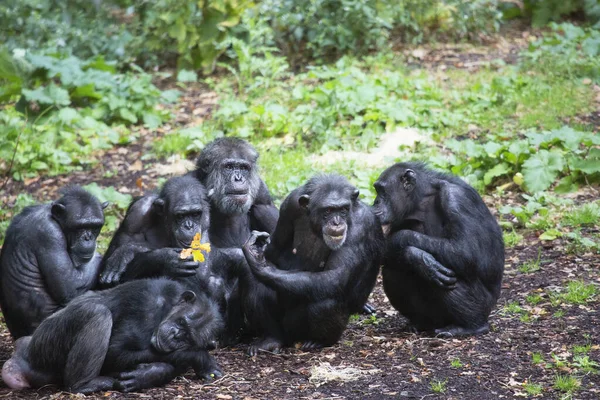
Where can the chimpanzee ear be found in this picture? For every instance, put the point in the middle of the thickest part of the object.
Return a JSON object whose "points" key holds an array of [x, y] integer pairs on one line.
{"points": [[303, 200], [58, 210], [409, 179], [355, 194], [105, 204], [159, 206], [188, 297]]}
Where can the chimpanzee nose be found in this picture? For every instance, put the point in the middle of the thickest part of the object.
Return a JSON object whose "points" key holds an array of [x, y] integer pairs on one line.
{"points": [[237, 177], [87, 236], [188, 225]]}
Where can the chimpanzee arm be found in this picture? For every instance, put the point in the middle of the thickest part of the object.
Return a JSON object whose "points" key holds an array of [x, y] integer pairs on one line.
{"points": [[283, 236], [263, 214], [63, 280], [454, 252], [146, 376], [159, 262]]}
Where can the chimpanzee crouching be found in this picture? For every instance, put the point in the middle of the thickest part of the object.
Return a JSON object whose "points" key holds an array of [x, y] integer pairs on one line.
{"points": [[49, 257], [445, 254], [320, 266], [137, 335]]}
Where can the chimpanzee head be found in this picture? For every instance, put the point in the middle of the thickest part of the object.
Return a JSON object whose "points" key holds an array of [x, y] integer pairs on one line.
{"points": [[81, 218], [184, 209], [193, 323], [329, 201], [227, 167], [399, 190]]}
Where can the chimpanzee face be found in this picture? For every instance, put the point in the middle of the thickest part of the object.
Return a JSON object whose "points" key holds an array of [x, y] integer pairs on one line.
{"points": [[81, 218], [233, 185], [184, 211], [395, 194], [329, 214], [193, 323]]}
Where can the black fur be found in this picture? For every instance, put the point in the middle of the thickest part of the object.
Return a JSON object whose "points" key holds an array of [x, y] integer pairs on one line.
{"points": [[445, 253], [48, 258], [319, 267], [140, 334]]}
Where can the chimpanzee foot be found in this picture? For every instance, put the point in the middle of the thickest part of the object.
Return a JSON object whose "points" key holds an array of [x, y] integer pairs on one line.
{"points": [[368, 309], [458, 331], [267, 344], [310, 345]]}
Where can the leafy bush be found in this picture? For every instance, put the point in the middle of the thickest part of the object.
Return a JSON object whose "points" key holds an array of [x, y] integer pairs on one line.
{"points": [[324, 29], [543, 11], [417, 20], [8, 211], [534, 162], [567, 51]]}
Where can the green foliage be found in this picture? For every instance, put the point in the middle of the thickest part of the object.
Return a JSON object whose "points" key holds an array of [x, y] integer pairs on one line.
{"points": [[7, 212], [533, 389], [456, 363], [585, 215], [567, 51], [532, 265], [195, 30], [343, 26], [585, 364], [183, 141], [70, 109], [512, 238], [541, 158], [543, 11], [421, 20], [533, 299], [566, 383], [578, 292], [537, 358], [438, 386]]}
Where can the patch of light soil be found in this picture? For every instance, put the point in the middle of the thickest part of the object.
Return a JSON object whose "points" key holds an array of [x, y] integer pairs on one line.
{"points": [[325, 372], [391, 146], [175, 166]]}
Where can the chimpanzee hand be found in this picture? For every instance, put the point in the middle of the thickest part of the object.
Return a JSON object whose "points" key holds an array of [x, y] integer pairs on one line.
{"points": [[145, 376], [209, 374], [254, 248], [173, 265], [430, 269]]}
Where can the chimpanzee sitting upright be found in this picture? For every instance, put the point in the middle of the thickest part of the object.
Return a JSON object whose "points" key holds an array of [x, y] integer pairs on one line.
{"points": [[240, 200], [445, 253], [137, 335], [322, 263], [240, 203], [49, 257], [156, 228]]}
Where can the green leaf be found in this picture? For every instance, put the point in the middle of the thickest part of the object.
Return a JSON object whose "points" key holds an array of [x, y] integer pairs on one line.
{"points": [[127, 115], [187, 76], [50, 94], [541, 169], [566, 185], [498, 170], [151, 120], [550, 234], [67, 115]]}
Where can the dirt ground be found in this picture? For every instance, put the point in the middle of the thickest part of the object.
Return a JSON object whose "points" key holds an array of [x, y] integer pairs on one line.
{"points": [[377, 358]]}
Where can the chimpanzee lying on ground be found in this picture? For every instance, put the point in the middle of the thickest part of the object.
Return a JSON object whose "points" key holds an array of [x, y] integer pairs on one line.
{"points": [[49, 257], [156, 227], [445, 253], [137, 335], [240, 203], [321, 265]]}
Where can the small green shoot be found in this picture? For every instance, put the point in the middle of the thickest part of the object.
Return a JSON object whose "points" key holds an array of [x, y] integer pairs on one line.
{"points": [[537, 358], [513, 308], [512, 238], [533, 389], [559, 314], [456, 363], [585, 364], [578, 292], [439, 386], [533, 299], [371, 320], [566, 383], [532, 265], [586, 215], [582, 349]]}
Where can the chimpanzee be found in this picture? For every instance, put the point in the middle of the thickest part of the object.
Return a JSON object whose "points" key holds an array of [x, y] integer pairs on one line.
{"points": [[322, 264], [48, 258], [240, 199], [156, 227], [240, 203], [137, 335], [445, 254]]}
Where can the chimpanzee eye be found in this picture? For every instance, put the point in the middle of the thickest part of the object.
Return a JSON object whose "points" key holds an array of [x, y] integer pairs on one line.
{"points": [[181, 321]]}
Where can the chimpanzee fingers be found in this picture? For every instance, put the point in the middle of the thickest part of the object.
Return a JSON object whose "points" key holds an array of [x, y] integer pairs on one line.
{"points": [[127, 385], [446, 281]]}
